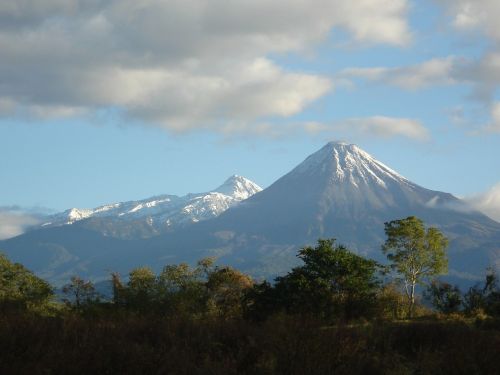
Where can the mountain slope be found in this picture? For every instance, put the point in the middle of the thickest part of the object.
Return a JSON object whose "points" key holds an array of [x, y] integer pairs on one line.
{"points": [[335, 190], [340, 191]]}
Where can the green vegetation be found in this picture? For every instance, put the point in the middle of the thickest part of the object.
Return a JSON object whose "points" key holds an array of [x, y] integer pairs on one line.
{"points": [[333, 283], [20, 289], [80, 294], [335, 313], [415, 253]]}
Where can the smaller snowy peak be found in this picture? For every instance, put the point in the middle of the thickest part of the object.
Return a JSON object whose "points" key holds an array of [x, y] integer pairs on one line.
{"points": [[238, 187], [75, 214], [168, 210]]}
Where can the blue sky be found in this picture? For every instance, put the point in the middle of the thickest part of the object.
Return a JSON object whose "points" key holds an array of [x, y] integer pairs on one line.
{"points": [[117, 100]]}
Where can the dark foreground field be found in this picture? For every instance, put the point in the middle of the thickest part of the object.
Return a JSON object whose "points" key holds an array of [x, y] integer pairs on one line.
{"points": [[131, 344]]}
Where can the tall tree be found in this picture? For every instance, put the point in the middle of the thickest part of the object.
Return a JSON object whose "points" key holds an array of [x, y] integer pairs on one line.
{"points": [[141, 288], [226, 288], [80, 293], [486, 297], [415, 253], [333, 282]]}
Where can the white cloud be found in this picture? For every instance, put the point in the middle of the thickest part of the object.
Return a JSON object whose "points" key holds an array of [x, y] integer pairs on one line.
{"points": [[487, 202], [479, 15], [14, 221], [494, 125], [182, 100], [7, 106], [482, 76], [386, 127], [181, 65], [372, 126], [438, 71]]}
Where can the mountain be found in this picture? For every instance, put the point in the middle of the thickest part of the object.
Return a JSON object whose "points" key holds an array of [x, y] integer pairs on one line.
{"points": [[343, 192], [151, 216], [340, 191]]}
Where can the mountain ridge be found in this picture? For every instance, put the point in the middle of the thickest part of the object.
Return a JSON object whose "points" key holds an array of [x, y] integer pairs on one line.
{"points": [[165, 211], [340, 192]]}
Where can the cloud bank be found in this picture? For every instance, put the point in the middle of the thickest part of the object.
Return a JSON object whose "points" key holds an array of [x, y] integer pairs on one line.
{"points": [[182, 65], [14, 221], [487, 202]]}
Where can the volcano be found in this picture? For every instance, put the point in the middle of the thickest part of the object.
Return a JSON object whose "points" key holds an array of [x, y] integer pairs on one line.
{"points": [[339, 192]]}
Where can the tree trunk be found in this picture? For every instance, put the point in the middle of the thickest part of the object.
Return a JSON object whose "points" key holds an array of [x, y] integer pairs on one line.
{"points": [[412, 300]]}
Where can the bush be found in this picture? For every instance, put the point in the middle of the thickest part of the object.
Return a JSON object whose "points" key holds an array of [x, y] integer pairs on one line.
{"points": [[444, 297]]}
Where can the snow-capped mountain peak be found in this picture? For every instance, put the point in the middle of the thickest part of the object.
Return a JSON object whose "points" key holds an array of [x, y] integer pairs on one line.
{"points": [[346, 162], [238, 187], [167, 211]]}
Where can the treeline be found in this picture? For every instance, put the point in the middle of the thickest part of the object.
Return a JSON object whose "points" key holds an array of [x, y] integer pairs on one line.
{"points": [[333, 284]]}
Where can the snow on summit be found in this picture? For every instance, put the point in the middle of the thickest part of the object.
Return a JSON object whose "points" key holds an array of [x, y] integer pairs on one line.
{"points": [[348, 163], [238, 187], [167, 210]]}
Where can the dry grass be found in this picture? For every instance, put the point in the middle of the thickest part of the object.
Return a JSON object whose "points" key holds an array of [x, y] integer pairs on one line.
{"points": [[134, 344]]}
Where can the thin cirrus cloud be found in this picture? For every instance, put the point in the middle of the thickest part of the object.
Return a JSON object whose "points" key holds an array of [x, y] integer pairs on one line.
{"points": [[373, 126], [481, 74], [478, 16], [361, 127], [182, 65], [438, 71]]}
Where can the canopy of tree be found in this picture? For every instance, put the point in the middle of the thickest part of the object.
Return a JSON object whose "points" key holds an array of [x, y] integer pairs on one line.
{"points": [[332, 282], [20, 288]]}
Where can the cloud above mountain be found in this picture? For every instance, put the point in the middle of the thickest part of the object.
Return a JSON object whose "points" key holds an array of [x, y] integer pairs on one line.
{"points": [[372, 126], [181, 65]]}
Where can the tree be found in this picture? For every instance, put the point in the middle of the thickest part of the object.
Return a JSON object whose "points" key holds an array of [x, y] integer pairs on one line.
{"points": [[415, 253], [260, 301], [492, 293], [485, 298], [80, 293], [445, 297], [333, 282], [179, 288], [141, 288], [183, 289], [391, 302], [20, 287], [226, 288]]}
